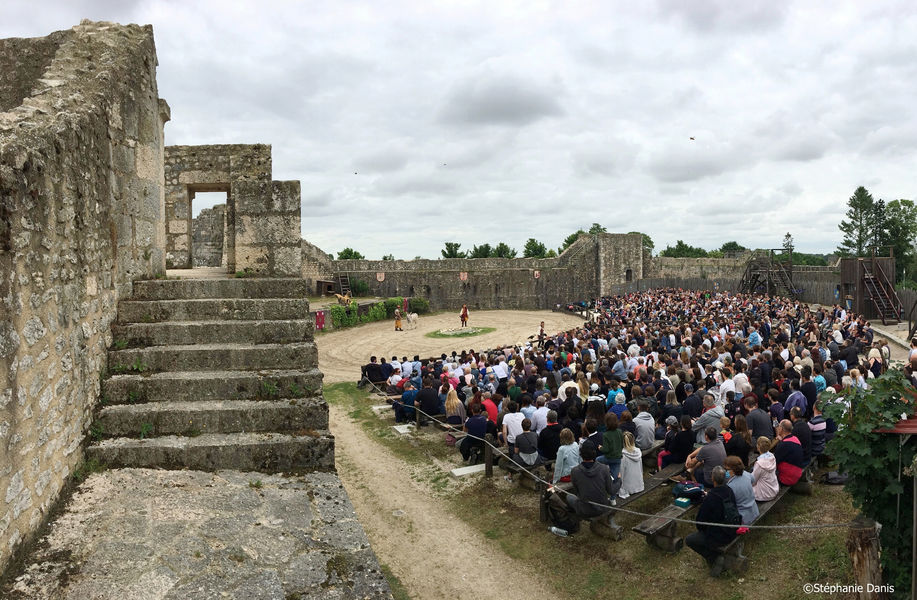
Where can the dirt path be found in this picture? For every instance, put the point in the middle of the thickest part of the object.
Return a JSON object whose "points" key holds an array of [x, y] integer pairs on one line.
{"points": [[342, 353], [432, 552]]}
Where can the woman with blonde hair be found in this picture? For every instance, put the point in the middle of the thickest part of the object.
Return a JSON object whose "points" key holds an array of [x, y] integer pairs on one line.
{"points": [[631, 467], [567, 456], [582, 383], [455, 410], [876, 364]]}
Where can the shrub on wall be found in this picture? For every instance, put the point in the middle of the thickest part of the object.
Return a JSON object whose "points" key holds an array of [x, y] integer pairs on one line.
{"points": [[348, 316], [359, 287], [419, 305], [391, 304], [878, 466]]}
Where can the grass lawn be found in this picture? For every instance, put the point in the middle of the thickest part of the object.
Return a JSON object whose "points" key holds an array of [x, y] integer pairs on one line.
{"points": [[586, 566], [468, 332]]}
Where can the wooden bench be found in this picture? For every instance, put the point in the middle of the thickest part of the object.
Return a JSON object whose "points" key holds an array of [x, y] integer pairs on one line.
{"points": [[604, 525], [649, 455], [661, 530], [734, 560]]}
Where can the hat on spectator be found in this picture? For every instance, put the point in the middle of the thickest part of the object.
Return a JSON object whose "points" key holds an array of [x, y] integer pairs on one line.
{"points": [[671, 420]]}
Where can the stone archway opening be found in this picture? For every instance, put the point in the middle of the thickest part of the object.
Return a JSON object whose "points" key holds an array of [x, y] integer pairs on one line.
{"points": [[208, 228], [629, 275]]}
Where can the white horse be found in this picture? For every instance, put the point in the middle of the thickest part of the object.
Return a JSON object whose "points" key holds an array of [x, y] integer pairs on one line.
{"points": [[412, 320]]}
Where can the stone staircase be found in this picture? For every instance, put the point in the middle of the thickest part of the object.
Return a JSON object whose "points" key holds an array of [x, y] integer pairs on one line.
{"points": [[214, 374]]}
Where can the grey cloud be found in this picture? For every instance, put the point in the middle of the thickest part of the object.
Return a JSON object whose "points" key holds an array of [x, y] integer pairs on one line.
{"points": [[707, 16], [492, 98]]}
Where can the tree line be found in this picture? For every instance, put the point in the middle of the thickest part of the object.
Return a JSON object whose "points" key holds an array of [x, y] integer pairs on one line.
{"points": [[868, 224]]}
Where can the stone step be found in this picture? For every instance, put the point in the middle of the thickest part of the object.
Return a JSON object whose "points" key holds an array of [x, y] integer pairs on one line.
{"points": [[248, 287], [212, 309], [266, 452], [176, 333], [212, 357], [211, 385], [212, 416]]}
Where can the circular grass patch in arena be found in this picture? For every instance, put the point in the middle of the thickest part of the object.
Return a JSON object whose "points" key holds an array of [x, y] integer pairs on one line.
{"points": [[459, 332]]}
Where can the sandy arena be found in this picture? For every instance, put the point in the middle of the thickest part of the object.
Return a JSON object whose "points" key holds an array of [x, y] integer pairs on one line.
{"points": [[342, 353]]}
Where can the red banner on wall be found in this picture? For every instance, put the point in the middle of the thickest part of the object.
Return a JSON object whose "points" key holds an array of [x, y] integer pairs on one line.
{"points": [[320, 319]]}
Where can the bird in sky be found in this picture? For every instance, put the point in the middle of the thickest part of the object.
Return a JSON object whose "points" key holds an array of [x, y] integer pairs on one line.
{"points": [[691, 138]]}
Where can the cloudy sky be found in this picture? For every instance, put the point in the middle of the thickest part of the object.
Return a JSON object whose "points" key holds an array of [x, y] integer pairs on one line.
{"points": [[414, 123]]}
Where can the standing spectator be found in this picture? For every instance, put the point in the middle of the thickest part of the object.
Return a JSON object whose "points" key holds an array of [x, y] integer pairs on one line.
{"points": [[631, 467], [612, 445], [593, 487]]}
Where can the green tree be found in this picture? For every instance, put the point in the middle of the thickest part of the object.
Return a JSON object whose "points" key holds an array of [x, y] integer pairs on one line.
{"points": [[683, 250], [534, 249], [859, 226], [596, 228], [648, 244], [570, 239], [788, 243], [482, 251], [501, 250], [452, 250], [732, 248], [349, 253], [901, 232], [388, 257]]}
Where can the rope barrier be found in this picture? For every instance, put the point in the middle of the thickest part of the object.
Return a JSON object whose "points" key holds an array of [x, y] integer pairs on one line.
{"points": [[613, 508]]}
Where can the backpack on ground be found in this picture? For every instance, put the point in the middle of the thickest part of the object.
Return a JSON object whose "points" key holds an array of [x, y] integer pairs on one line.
{"points": [[561, 516], [834, 478], [691, 490]]}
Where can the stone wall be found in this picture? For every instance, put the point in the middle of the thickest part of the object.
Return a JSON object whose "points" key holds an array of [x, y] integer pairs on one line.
{"points": [[509, 283], [207, 236], [262, 216], [710, 268], [316, 264], [81, 216], [620, 259]]}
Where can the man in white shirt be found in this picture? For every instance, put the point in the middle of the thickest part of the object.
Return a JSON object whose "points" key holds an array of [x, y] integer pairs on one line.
{"points": [[540, 416]]}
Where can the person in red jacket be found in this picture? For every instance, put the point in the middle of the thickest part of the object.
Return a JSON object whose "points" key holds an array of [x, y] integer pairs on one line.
{"points": [[788, 454]]}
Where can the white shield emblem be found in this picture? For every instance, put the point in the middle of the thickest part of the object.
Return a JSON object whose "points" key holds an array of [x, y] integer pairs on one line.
{"points": [[380, 277], [463, 276], [537, 274]]}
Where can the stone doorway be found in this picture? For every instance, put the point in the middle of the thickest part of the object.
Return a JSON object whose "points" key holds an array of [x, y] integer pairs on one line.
{"points": [[208, 228]]}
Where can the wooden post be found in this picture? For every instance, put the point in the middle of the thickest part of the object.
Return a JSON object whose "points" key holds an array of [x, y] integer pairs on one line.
{"points": [[863, 546], [488, 460]]}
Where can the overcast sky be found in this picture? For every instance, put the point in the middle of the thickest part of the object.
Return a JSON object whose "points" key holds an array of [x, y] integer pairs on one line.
{"points": [[414, 123]]}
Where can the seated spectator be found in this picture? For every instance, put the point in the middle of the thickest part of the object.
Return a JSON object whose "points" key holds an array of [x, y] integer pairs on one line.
{"points": [[568, 456], [708, 540], [626, 423], [392, 383], [631, 467], [788, 454], [671, 408], [371, 373], [757, 420], [710, 418], [428, 400], [725, 435], [591, 432], [739, 443], [741, 483], [455, 410], [572, 421], [803, 433], [764, 474], [593, 487], [526, 446], [681, 445], [476, 428], [612, 445], [512, 425], [490, 408], [540, 416], [549, 438], [404, 408], [818, 426], [702, 461], [645, 426]]}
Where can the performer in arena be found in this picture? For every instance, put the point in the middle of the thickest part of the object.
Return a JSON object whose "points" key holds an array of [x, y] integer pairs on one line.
{"points": [[464, 315], [398, 320]]}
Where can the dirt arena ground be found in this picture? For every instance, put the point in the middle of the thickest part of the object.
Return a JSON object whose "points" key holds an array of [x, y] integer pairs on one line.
{"points": [[342, 353]]}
